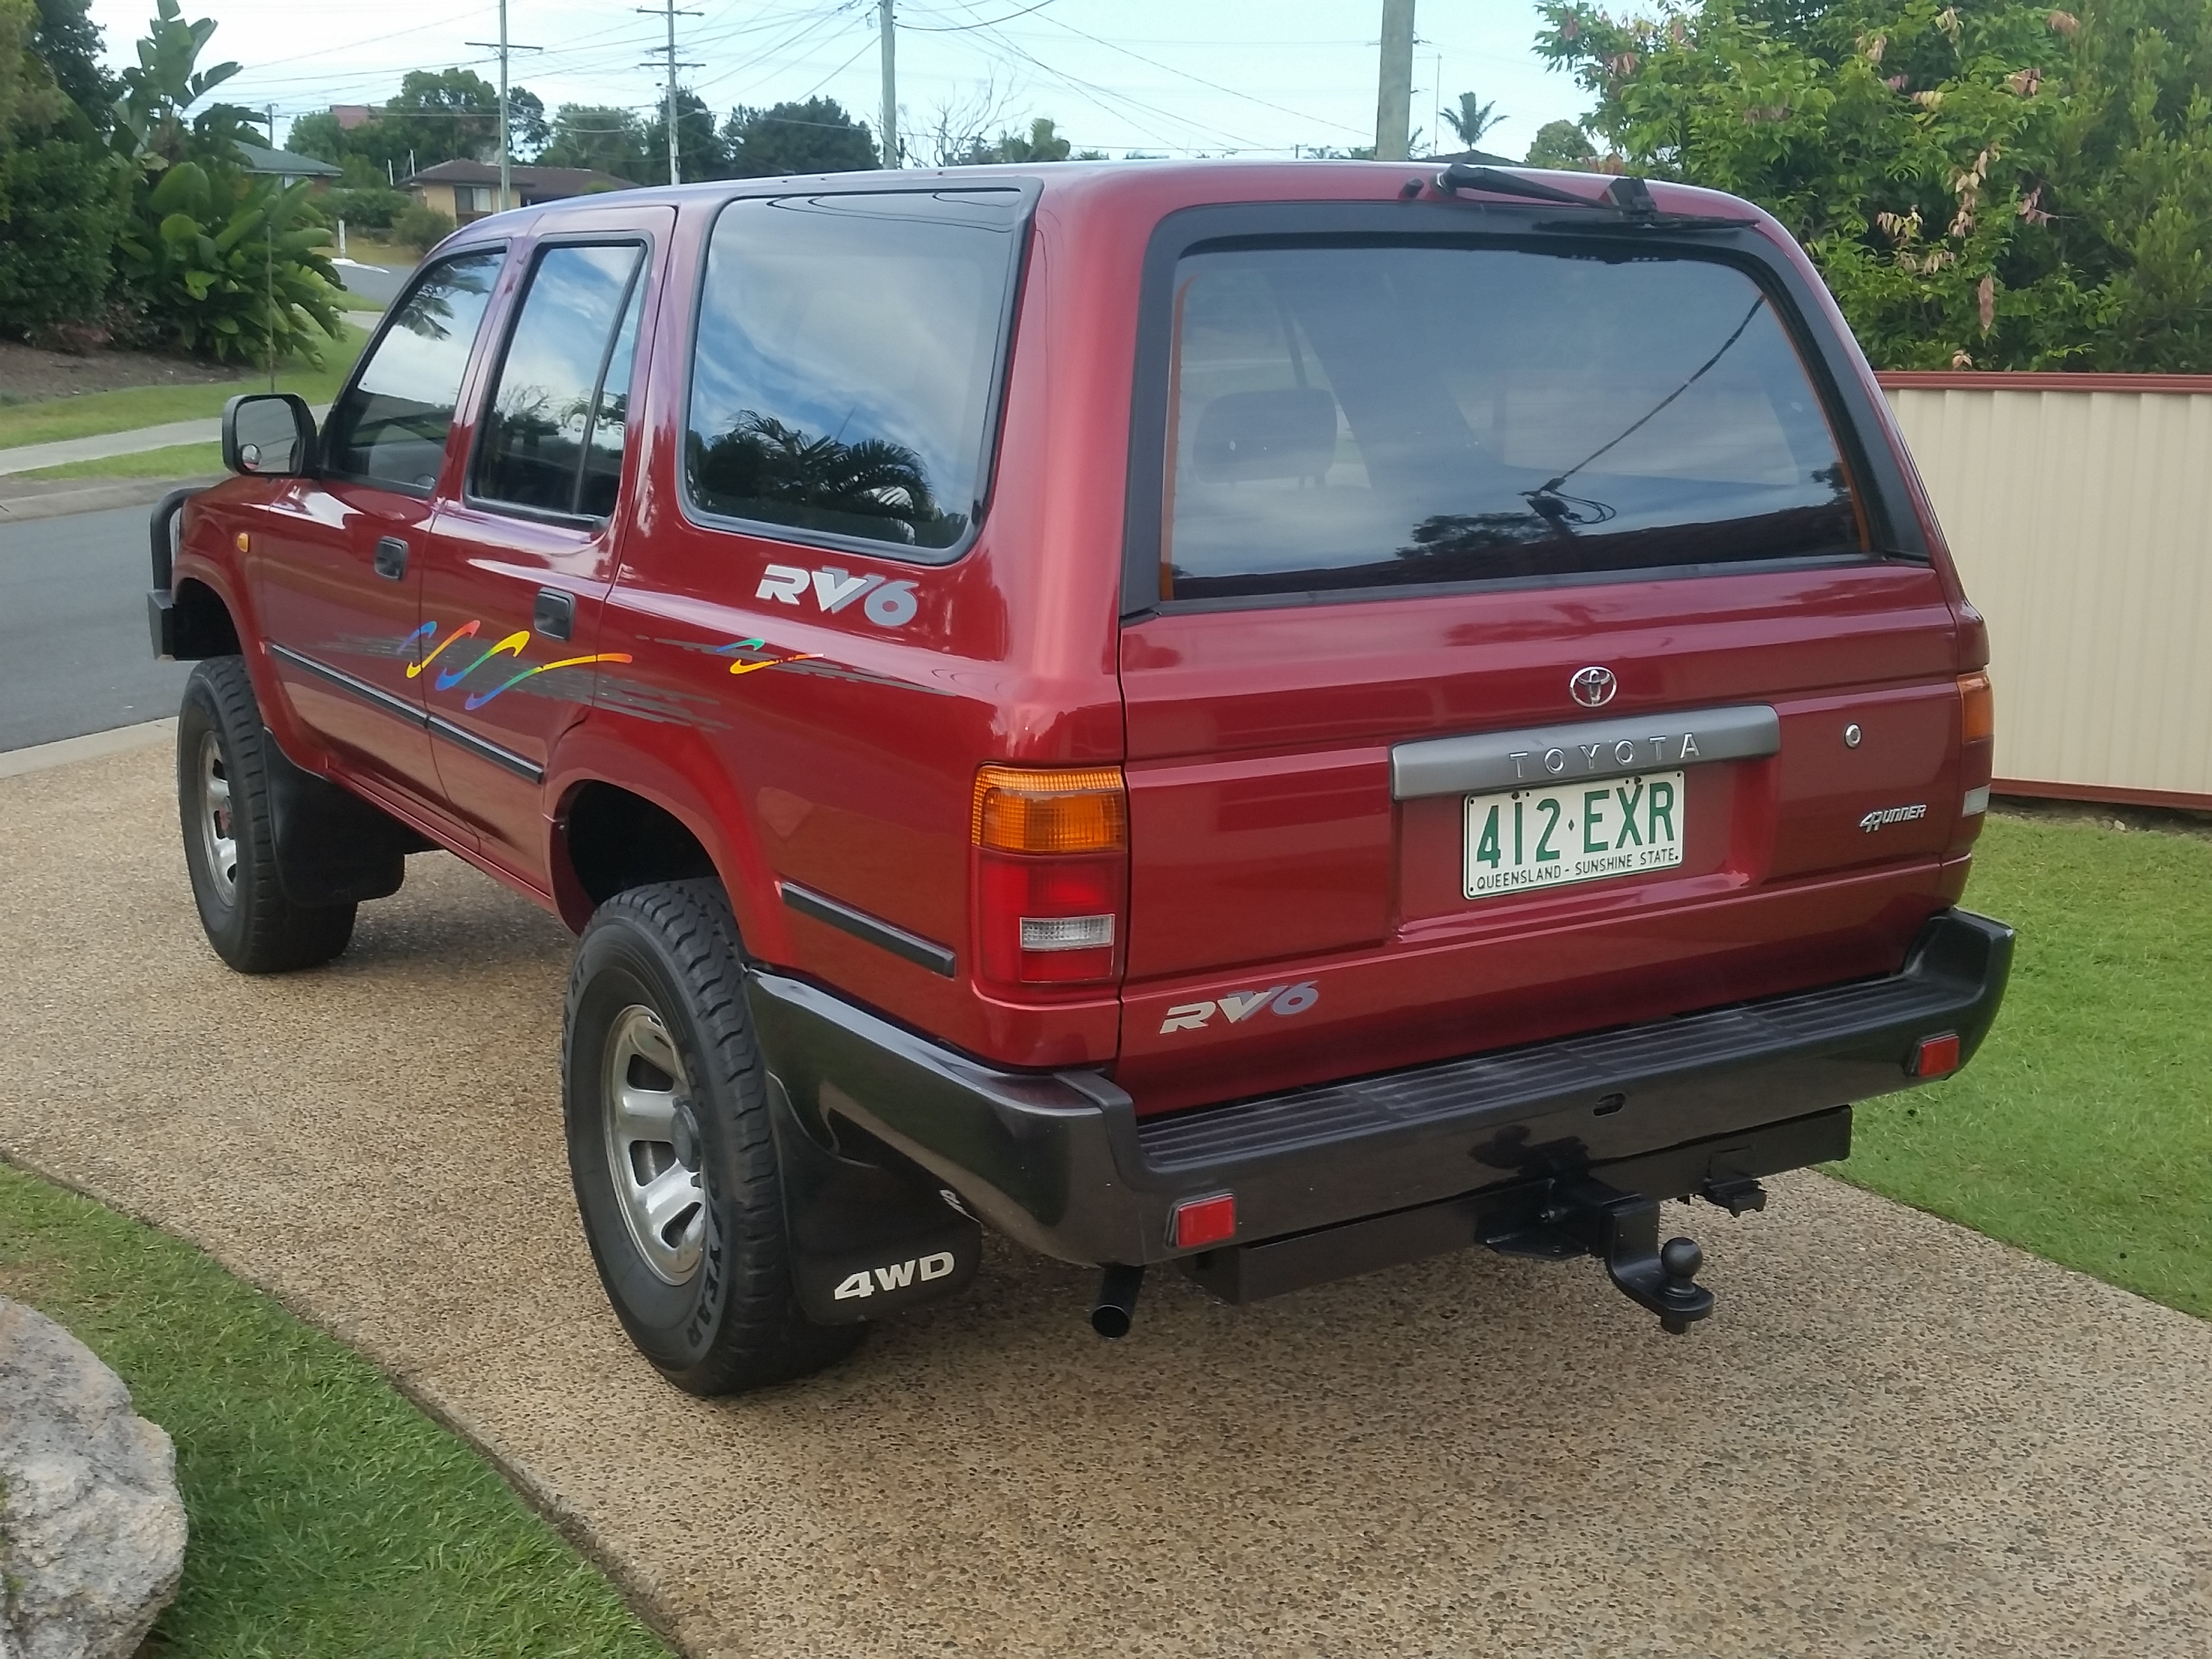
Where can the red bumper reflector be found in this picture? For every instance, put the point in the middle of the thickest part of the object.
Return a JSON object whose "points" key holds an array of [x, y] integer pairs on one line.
{"points": [[1201, 1221], [1936, 1056]]}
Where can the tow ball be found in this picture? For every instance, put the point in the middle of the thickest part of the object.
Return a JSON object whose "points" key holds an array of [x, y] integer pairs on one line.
{"points": [[1586, 1216]]}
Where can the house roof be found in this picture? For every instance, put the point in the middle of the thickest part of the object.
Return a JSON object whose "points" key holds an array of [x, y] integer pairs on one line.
{"points": [[284, 164], [565, 181]]}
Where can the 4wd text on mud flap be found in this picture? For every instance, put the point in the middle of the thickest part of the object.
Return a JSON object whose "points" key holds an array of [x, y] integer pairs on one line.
{"points": [[889, 604], [1282, 999], [896, 1277]]}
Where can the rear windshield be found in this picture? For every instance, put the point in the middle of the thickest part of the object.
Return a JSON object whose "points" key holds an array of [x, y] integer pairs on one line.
{"points": [[846, 365], [1349, 416]]}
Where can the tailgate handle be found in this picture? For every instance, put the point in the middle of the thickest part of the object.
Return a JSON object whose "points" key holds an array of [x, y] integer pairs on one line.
{"points": [[390, 557], [1536, 755]]}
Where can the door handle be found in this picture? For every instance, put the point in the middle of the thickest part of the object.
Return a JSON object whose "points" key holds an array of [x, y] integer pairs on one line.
{"points": [[390, 557], [555, 614]]}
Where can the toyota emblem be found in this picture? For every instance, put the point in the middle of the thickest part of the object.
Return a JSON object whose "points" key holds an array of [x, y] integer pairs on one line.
{"points": [[1593, 687]]}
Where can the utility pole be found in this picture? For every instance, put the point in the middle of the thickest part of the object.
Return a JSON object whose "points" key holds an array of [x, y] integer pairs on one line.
{"points": [[888, 29], [671, 10], [1394, 97], [269, 270], [506, 150]]}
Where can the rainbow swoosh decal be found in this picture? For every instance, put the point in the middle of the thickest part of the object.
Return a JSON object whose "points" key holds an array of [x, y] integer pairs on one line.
{"points": [[513, 646], [747, 664]]}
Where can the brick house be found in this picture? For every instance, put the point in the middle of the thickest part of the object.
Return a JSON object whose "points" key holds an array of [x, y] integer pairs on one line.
{"points": [[469, 190]]}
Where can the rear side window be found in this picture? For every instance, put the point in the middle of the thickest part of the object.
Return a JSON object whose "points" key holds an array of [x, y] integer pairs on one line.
{"points": [[390, 427], [552, 438], [1350, 417], [844, 373]]}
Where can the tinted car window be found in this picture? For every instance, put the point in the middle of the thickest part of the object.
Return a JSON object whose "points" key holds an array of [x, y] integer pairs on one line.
{"points": [[392, 427], [1357, 416], [603, 444], [558, 382], [846, 358]]}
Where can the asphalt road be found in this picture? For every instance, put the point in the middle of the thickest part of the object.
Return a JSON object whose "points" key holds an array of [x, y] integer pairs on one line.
{"points": [[74, 656], [382, 284], [1894, 1438]]}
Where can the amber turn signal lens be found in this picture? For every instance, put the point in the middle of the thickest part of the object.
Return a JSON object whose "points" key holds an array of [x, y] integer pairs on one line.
{"points": [[1021, 811], [1977, 708]]}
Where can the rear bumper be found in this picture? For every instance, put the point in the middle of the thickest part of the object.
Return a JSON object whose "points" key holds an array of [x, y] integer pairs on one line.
{"points": [[1061, 1162]]}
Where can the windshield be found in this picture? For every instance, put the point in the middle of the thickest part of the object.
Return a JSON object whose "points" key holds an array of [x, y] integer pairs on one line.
{"points": [[1349, 416]]}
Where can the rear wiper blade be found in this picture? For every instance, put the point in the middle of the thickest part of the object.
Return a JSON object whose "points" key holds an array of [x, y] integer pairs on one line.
{"points": [[1626, 202]]}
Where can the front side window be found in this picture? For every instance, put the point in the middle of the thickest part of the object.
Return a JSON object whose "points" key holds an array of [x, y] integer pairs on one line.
{"points": [[845, 362], [1349, 416], [390, 427], [552, 437]]}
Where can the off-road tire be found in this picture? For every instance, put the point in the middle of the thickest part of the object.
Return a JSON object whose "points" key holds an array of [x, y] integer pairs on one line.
{"points": [[735, 1324], [251, 923]]}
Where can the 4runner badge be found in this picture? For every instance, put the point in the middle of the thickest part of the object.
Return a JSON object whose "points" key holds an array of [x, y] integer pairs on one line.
{"points": [[888, 605], [1282, 1000], [1874, 821]]}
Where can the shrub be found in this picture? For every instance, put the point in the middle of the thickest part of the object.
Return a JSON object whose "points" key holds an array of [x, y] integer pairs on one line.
{"points": [[421, 227], [374, 207]]}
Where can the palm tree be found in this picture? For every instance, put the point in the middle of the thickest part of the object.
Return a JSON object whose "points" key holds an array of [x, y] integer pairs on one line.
{"points": [[1472, 119]]}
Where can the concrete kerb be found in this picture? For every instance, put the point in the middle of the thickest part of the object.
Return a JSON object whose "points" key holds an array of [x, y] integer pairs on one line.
{"points": [[67, 750]]}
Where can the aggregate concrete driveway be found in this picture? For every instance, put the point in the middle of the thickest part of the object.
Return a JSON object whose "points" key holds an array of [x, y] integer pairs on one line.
{"points": [[1894, 1438]]}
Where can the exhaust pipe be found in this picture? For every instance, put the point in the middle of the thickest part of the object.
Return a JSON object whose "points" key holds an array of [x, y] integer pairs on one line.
{"points": [[1117, 1304]]}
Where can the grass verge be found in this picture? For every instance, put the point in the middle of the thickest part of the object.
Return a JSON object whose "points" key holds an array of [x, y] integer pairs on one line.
{"points": [[91, 413], [177, 461], [2080, 1130], [328, 1515]]}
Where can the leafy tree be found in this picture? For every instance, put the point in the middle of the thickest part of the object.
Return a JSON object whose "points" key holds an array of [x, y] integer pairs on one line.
{"points": [[597, 136], [216, 261], [815, 137], [1999, 187], [1472, 119], [60, 200], [67, 41], [705, 153], [437, 115], [1561, 144]]}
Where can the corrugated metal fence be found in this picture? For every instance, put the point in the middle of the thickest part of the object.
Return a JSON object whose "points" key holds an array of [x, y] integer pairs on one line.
{"points": [[2079, 507]]}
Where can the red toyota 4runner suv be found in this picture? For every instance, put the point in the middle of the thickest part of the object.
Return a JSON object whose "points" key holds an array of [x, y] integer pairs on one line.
{"points": [[1279, 719]]}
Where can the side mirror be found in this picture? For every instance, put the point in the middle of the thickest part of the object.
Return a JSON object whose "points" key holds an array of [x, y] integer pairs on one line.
{"points": [[269, 435]]}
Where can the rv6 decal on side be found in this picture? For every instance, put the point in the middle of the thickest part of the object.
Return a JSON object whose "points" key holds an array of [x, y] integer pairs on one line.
{"points": [[1238, 1007], [888, 604]]}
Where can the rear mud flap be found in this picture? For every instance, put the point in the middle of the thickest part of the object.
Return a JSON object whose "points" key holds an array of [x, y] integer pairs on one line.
{"points": [[870, 1234]]}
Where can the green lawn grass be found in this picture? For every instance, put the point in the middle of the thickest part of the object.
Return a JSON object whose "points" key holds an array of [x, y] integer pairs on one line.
{"points": [[177, 461], [328, 1516], [90, 413], [2083, 1129]]}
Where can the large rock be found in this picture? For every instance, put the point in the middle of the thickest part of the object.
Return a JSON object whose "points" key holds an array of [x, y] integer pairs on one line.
{"points": [[91, 1531]]}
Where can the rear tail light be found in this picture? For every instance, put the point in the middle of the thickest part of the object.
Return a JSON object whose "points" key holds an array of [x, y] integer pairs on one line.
{"points": [[1936, 1056], [1051, 874], [1977, 708]]}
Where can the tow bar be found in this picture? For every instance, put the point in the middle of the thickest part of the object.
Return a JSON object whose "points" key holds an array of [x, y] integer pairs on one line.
{"points": [[1585, 1217]]}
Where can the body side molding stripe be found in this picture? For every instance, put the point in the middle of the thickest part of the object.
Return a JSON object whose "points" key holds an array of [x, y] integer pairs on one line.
{"points": [[400, 708], [1533, 757], [923, 953]]}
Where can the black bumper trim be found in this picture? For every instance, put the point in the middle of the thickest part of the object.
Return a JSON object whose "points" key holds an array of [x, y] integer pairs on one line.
{"points": [[1060, 1163]]}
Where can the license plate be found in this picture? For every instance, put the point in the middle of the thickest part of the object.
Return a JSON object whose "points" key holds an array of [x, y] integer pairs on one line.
{"points": [[1523, 839]]}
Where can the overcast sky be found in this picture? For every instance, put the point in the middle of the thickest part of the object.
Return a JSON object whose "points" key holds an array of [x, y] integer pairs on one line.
{"points": [[1162, 76]]}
